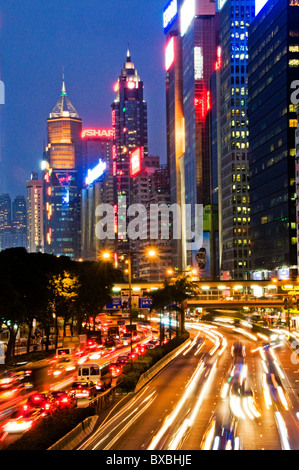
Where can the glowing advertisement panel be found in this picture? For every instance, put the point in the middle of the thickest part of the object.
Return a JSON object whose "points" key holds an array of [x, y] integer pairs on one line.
{"points": [[188, 12], [170, 14], [201, 259], [96, 172], [135, 162], [169, 54], [103, 133]]}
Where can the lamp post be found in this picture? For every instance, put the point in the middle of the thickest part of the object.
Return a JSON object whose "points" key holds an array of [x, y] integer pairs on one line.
{"points": [[130, 301]]}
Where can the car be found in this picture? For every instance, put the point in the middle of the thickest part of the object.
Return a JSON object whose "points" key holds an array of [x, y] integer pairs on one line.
{"points": [[63, 399], [116, 369], [7, 381], [21, 421], [141, 349], [38, 401], [152, 344], [122, 360], [84, 389], [133, 354]]}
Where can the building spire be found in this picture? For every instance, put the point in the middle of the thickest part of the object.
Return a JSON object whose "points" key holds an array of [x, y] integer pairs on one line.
{"points": [[128, 54], [63, 91]]}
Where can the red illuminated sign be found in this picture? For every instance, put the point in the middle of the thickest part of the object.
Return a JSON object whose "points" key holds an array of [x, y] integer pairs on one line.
{"points": [[203, 104], [135, 161], [218, 63], [103, 133]]}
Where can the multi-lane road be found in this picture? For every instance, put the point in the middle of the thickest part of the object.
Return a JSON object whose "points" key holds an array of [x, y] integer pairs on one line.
{"points": [[211, 396]]}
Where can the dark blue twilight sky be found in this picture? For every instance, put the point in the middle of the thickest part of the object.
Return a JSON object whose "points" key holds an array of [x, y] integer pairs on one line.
{"points": [[89, 39]]}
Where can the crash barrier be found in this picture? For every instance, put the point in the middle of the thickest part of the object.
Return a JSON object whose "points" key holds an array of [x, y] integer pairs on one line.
{"points": [[74, 437], [150, 373], [101, 402], [80, 432]]}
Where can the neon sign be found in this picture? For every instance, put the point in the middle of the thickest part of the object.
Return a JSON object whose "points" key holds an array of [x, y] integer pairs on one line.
{"points": [[103, 133], [96, 172], [169, 54], [218, 63], [170, 14], [203, 104], [135, 161]]}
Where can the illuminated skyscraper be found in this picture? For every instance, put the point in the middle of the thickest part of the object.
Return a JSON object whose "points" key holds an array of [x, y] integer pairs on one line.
{"points": [[235, 19], [63, 180], [129, 121], [97, 189], [191, 28], [35, 229], [273, 97]]}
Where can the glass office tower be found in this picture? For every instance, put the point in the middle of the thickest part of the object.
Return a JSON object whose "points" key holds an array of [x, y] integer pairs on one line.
{"points": [[192, 30], [235, 18], [273, 69], [129, 122]]}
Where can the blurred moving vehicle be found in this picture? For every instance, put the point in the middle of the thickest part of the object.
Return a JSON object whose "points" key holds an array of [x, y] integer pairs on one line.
{"points": [[152, 344], [238, 349], [116, 369], [20, 421], [140, 349], [82, 389], [63, 399], [99, 374], [122, 360], [38, 401], [221, 436]]}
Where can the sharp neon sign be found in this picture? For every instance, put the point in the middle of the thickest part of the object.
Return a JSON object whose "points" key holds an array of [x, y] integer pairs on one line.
{"points": [[96, 172], [170, 14], [135, 161], [102, 133]]}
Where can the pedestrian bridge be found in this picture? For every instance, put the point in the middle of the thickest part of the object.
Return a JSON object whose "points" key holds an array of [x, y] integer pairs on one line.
{"points": [[221, 294]]}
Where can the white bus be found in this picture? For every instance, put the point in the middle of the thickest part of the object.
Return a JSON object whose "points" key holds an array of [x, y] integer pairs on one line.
{"points": [[99, 374]]}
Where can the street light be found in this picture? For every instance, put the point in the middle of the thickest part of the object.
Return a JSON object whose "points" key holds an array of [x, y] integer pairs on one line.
{"points": [[106, 255]]}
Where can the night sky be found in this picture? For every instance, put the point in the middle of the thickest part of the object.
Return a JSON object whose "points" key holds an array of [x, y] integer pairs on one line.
{"points": [[89, 39]]}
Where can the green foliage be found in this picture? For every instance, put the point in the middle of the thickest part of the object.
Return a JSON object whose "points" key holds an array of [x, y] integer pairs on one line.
{"points": [[50, 429], [42, 286]]}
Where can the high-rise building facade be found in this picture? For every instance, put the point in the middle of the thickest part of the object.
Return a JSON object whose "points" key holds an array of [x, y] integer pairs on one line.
{"points": [[154, 268], [235, 19], [19, 222], [35, 226], [63, 180], [97, 189], [129, 122], [192, 30], [5, 221], [273, 74]]}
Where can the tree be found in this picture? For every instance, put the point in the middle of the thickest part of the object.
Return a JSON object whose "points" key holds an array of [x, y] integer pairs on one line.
{"points": [[174, 295], [95, 281], [181, 290], [64, 291]]}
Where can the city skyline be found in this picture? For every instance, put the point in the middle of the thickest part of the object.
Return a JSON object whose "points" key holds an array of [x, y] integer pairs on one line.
{"points": [[34, 62]]}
